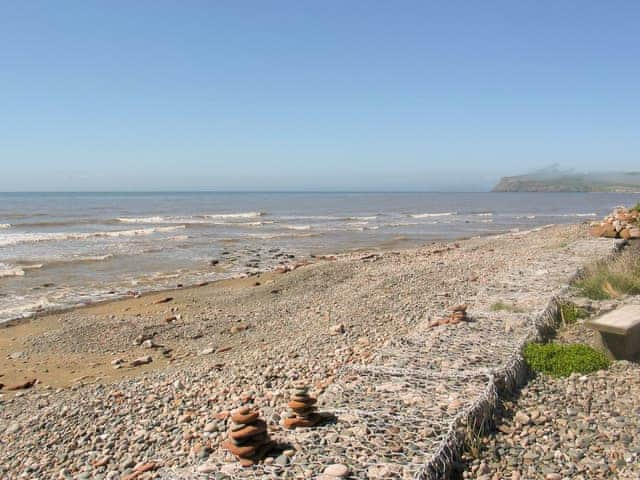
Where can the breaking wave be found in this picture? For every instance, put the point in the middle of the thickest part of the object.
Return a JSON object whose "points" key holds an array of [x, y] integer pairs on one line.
{"points": [[428, 215], [20, 238], [212, 219]]}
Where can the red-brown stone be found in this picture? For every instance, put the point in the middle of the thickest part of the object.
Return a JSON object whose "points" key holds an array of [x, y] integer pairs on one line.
{"points": [[246, 417], [242, 451], [249, 431]]}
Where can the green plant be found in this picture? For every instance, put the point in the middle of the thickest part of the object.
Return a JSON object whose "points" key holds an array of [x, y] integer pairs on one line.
{"points": [[570, 313], [603, 281], [508, 307], [637, 207], [561, 360]]}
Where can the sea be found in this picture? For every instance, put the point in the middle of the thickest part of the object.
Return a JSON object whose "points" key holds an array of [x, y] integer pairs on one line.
{"points": [[59, 250]]}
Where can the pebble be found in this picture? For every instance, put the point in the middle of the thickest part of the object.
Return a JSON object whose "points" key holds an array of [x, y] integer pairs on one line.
{"points": [[385, 303], [337, 470]]}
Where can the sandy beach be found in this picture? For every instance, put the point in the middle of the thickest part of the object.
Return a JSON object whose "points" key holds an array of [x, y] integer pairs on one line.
{"points": [[361, 330]]}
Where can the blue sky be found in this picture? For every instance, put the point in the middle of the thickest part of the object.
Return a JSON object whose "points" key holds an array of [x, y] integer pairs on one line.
{"points": [[313, 95]]}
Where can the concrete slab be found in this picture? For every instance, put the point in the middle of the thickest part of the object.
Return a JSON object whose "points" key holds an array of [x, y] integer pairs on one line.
{"points": [[619, 332], [619, 322]]}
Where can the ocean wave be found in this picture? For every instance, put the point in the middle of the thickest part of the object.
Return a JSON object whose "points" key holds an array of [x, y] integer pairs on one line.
{"points": [[5, 225], [297, 227], [213, 219], [270, 236], [428, 215], [144, 220], [401, 224], [236, 215], [556, 215], [20, 238], [483, 214]]}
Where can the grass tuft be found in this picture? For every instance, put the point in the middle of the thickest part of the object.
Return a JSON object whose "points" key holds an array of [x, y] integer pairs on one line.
{"points": [[560, 360], [608, 280], [570, 313], [505, 307]]}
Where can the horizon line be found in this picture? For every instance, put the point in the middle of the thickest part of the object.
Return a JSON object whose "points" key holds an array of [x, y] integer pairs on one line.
{"points": [[241, 191]]}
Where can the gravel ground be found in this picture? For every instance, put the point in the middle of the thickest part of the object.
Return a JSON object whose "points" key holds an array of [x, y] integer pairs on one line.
{"points": [[319, 324], [581, 427]]}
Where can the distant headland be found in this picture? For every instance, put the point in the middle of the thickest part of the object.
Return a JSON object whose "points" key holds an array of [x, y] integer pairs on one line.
{"points": [[555, 180]]}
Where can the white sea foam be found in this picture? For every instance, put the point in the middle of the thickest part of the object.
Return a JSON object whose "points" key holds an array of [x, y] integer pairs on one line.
{"points": [[20, 238], [213, 219], [428, 215], [10, 271], [236, 215], [401, 224], [5, 225], [484, 214], [297, 227], [145, 220]]}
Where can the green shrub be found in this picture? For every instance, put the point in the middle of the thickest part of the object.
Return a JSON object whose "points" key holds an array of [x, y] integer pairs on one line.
{"points": [[637, 207], [561, 360], [606, 280], [570, 313]]}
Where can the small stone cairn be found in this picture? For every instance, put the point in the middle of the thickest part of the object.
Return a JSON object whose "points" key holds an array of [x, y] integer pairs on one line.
{"points": [[458, 314], [248, 437], [305, 413], [621, 223]]}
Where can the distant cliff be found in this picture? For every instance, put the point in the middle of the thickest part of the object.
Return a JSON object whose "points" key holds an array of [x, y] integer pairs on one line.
{"points": [[571, 182]]}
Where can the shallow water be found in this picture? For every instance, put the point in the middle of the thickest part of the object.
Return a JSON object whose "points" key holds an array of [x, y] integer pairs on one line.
{"points": [[59, 250]]}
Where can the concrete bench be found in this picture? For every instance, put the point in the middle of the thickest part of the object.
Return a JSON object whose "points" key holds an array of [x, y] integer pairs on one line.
{"points": [[619, 332]]}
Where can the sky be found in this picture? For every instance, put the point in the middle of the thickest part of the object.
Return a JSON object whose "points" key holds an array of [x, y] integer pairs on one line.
{"points": [[323, 95]]}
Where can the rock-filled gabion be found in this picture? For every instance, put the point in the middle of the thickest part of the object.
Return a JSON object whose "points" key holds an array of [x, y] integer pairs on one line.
{"points": [[248, 437], [622, 223], [305, 413]]}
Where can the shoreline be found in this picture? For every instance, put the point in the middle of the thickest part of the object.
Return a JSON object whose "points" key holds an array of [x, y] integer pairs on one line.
{"points": [[383, 246], [235, 346]]}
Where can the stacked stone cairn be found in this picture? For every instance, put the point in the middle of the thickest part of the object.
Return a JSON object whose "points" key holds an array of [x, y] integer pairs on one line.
{"points": [[458, 314], [621, 223], [248, 437], [304, 411]]}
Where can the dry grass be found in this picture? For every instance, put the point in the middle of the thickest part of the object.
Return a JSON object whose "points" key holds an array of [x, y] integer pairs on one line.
{"points": [[609, 280], [505, 307]]}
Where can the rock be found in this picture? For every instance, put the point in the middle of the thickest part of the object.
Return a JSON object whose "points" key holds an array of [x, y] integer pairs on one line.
{"points": [[163, 300], [249, 440], [210, 427], [337, 470], [141, 361], [24, 385], [208, 468], [244, 416], [522, 418], [13, 428], [304, 412], [207, 351], [16, 355], [337, 329]]}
